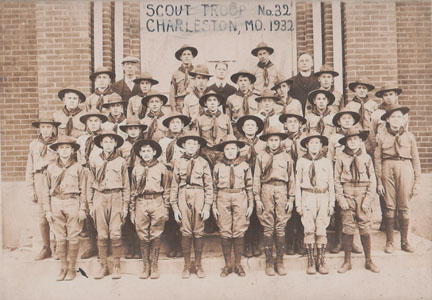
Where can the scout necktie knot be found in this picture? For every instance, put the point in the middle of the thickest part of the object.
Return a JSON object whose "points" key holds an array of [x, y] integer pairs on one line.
{"points": [[269, 165], [362, 101], [89, 145], [267, 116], [58, 181], [245, 104], [354, 166], [108, 90], [265, 67], [186, 70], [116, 120], [214, 117], [312, 170], [100, 176], [321, 114], [70, 114], [46, 142], [154, 124], [398, 138]]}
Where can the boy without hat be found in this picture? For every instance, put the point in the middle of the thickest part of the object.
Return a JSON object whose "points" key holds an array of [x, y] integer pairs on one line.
{"points": [[220, 85], [126, 87]]}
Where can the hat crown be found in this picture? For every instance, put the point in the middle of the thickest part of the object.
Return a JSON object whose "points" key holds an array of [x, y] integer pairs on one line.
{"points": [[362, 80], [389, 86], [326, 68], [244, 71], [153, 93], [132, 120], [114, 98], [393, 107], [102, 69], [273, 130], [65, 139], [145, 75], [201, 68], [130, 59], [46, 117], [353, 131], [229, 138], [267, 93], [262, 45]]}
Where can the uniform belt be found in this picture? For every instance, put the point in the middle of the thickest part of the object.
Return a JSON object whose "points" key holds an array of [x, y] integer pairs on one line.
{"points": [[316, 190], [231, 190], [149, 196], [275, 182], [396, 158], [192, 187], [111, 191], [67, 196], [356, 184]]}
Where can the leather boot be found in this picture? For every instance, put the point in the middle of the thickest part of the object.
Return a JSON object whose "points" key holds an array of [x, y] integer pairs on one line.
{"points": [[198, 248], [404, 226], [45, 234], [382, 226], [268, 250], [103, 253], [389, 225], [366, 242], [186, 243], [73, 254], [356, 249], [62, 253], [280, 251], [321, 266], [53, 245], [289, 245], [255, 247], [136, 246], [91, 235], [300, 246], [145, 254], [347, 241], [129, 249], [238, 246], [226, 250], [155, 247], [116, 253], [311, 265], [178, 247], [338, 235], [248, 248]]}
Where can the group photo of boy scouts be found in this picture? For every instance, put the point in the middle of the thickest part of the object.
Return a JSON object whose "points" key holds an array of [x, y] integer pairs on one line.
{"points": [[268, 163]]}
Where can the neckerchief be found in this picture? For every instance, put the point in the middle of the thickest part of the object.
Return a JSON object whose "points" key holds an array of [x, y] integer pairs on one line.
{"points": [[214, 117], [231, 163], [89, 145], [321, 125], [107, 91], [132, 151], [354, 166], [142, 108], [312, 172], [340, 130], [245, 103], [398, 137], [46, 143], [294, 136], [285, 102], [362, 102], [100, 176], [267, 118], [154, 124], [64, 167], [382, 106], [115, 120], [265, 66], [171, 146], [269, 166], [70, 114], [252, 151], [190, 166], [140, 187], [186, 71]]}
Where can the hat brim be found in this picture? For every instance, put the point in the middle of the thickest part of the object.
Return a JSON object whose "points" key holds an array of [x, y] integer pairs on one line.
{"points": [[242, 120], [276, 86], [333, 73], [107, 105], [352, 85], [362, 134], [102, 117], [185, 119], [62, 92], [194, 74], [338, 115], [284, 117], [265, 137], [74, 145], [151, 80], [145, 99], [255, 51], [260, 98], [99, 138], [37, 123], [403, 109], [125, 127], [137, 147], [134, 61], [220, 97], [329, 95], [183, 139], [380, 93], [180, 51], [95, 74], [221, 146], [324, 140], [235, 77]]}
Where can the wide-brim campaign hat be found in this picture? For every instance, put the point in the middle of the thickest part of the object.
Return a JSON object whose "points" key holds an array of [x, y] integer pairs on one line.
{"points": [[392, 109], [387, 88], [243, 72], [243, 119], [113, 98], [131, 59], [93, 113], [261, 46], [229, 139], [344, 111], [273, 130], [176, 115], [191, 136], [354, 132], [45, 119], [65, 139], [200, 70], [102, 70], [179, 52], [281, 80], [269, 94], [311, 135], [98, 139], [361, 81], [284, 117], [133, 121], [152, 94], [211, 93], [71, 89], [329, 95], [147, 77], [155, 146], [325, 69]]}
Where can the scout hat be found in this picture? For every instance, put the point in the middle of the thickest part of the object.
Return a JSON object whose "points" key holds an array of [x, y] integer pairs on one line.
{"points": [[200, 70], [392, 109], [363, 81], [102, 70], [203, 99], [326, 69], [267, 94], [261, 46], [145, 76], [329, 95], [243, 72], [179, 52], [130, 59], [273, 130], [280, 81], [192, 135], [311, 135], [387, 88], [155, 146], [344, 111], [353, 132], [243, 119], [132, 121], [229, 139], [185, 119], [98, 139], [45, 119], [65, 139], [284, 117], [113, 99], [93, 113], [152, 94], [71, 89]]}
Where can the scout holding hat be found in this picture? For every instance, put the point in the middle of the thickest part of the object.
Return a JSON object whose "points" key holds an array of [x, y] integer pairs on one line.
{"points": [[267, 102], [145, 81], [326, 77], [191, 199], [181, 81], [320, 118], [154, 101], [233, 203], [69, 115], [108, 196], [126, 87], [116, 116], [315, 198], [274, 192], [355, 185], [39, 157], [64, 202], [102, 79], [398, 171], [149, 203], [220, 85], [265, 71], [286, 103], [361, 102]]}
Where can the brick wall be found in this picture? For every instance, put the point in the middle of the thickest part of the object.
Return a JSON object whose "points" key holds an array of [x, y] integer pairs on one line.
{"points": [[131, 29], [327, 29], [108, 34], [304, 28]]}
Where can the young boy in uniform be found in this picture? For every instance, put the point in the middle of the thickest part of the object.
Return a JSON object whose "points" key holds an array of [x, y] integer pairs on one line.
{"points": [[286, 103], [274, 193], [149, 203], [267, 101], [135, 106], [64, 203], [265, 71], [326, 77], [315, 198], [108, 196], [191, 199], [102, 79], [70, 114], [398, 171], [39, 157], [126, 87], [355, 186], [116, 116], [220, 85], [233, 202], [155, 115], [320, 118], [181, 81]]}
